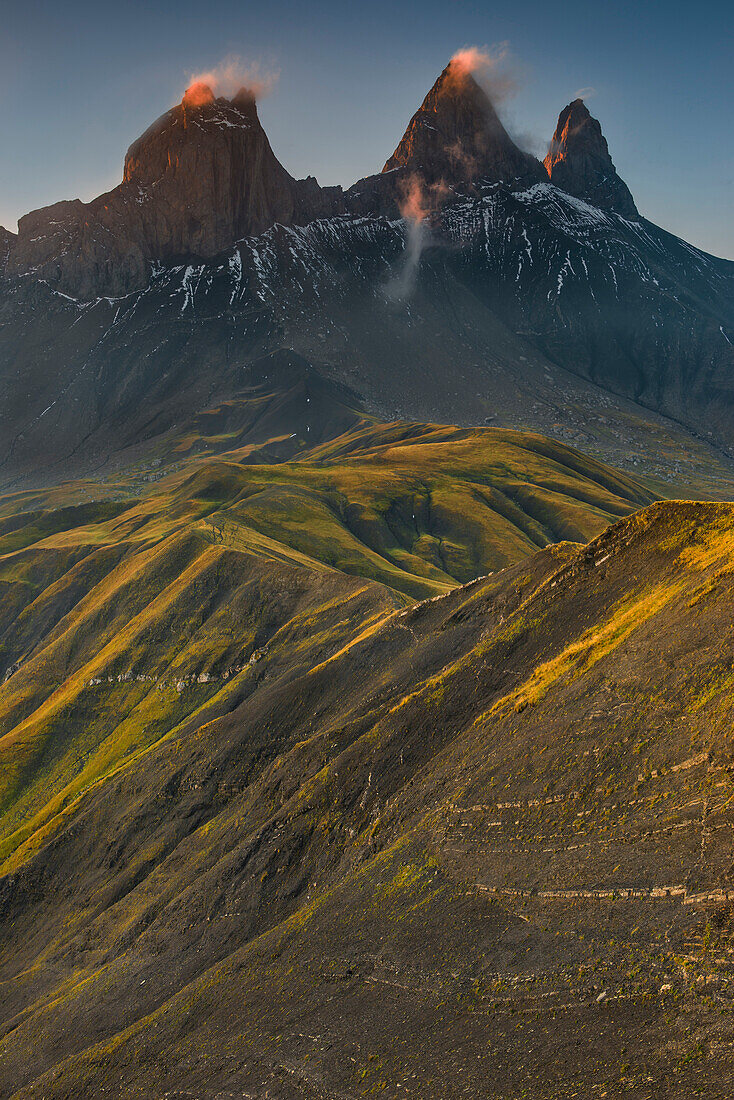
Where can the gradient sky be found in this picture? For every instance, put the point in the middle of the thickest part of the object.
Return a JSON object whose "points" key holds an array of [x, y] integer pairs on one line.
{"points": [[81, 80]]}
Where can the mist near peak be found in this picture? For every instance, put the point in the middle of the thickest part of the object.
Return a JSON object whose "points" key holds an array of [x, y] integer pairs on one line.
{"points": [[232, 74]]}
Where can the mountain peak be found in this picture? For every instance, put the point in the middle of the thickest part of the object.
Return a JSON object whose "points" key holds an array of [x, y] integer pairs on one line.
{"points": [[192, 131], [578, 161], [245, 97], [200, 178], [456, 135]]}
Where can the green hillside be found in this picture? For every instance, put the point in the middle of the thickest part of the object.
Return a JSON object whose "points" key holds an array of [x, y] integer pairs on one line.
{"points": [[121, 618]]}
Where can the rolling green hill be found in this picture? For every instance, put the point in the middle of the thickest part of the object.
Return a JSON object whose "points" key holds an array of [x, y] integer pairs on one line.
{"points": [[120, 618]]}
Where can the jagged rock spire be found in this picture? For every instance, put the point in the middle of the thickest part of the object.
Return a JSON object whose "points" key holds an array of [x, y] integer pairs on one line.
{"points": [[578, 161], [456, 135]]}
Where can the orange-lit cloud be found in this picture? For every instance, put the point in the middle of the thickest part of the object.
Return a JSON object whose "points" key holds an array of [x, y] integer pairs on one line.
{"points": [[197, 94], [488, 64], [413, 202], [419, 199], [473, 58], [232, 74]]}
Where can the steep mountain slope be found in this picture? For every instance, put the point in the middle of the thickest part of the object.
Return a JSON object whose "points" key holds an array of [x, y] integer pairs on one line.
{"points": [[479, 846], [513, 299], [127, 606], [85, 382]]}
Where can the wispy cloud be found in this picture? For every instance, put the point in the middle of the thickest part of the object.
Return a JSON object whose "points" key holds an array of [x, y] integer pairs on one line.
{"points": [[584, 93], [233, 73]]}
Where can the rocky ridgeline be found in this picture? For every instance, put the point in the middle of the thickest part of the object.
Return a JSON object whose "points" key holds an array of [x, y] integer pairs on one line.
{"points": [[456, 136], [123, 318], [201, 177], [204, 176]]}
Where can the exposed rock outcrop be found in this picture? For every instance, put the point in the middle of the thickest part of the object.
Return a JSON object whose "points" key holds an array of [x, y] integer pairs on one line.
{"points": [[453, 142], [204, 176], [579, 162]]}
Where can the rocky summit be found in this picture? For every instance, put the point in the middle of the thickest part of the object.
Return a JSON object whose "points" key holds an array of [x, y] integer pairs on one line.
{"points": [[200, 178], [456, 137], [578, 161], [365, 694]]}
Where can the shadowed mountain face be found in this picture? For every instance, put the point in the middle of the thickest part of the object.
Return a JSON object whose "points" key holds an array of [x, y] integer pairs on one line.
{"points": [[267, 831], [578, 162], [528, 309], [7, 240]]}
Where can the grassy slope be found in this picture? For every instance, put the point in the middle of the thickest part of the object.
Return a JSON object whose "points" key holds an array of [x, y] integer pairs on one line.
{"points": [[315, 891], [393, 502], [119, 618]]}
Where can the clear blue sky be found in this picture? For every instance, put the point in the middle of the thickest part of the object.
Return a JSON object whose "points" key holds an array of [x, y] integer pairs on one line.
{"points": [[81, 79]]}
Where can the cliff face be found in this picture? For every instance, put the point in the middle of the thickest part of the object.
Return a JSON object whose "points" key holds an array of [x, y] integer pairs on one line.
{"points": [[201, 177], [204, 176], [579, 162], [208, 165]]}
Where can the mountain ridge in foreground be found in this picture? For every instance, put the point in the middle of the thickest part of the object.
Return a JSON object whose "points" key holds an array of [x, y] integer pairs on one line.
{"points": [[497, 818]]}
